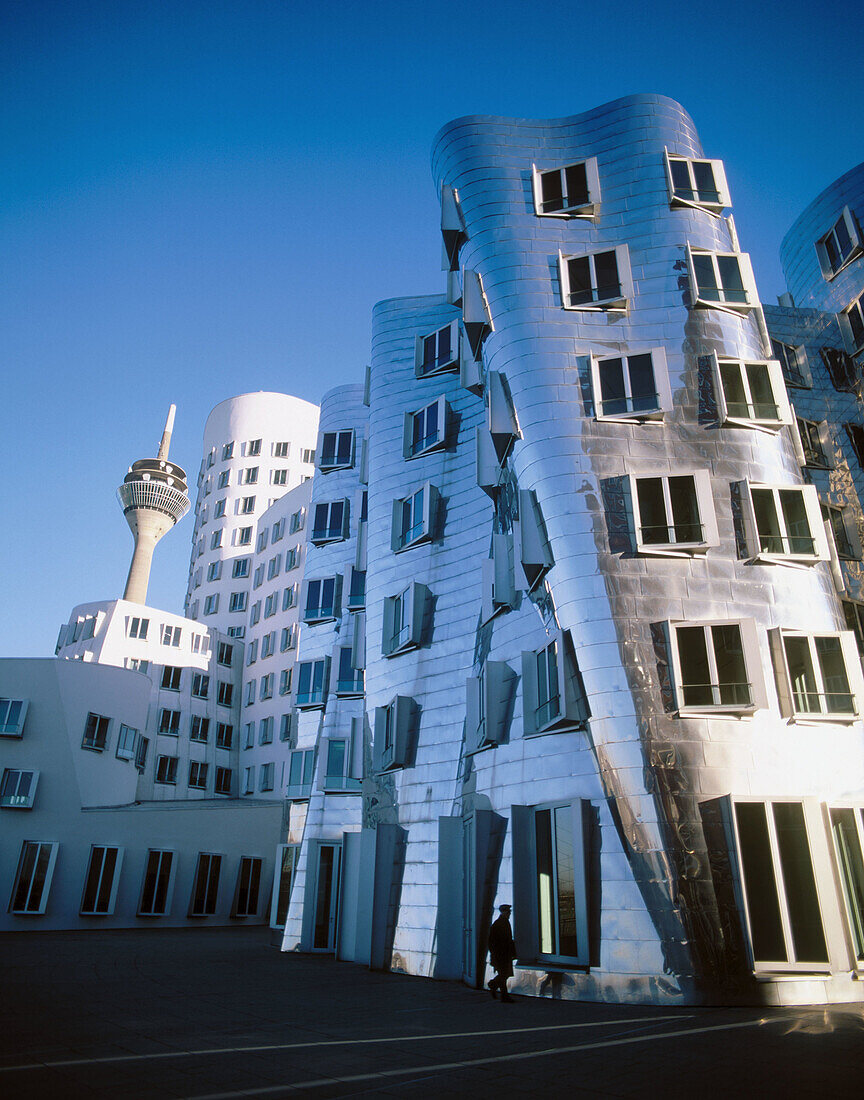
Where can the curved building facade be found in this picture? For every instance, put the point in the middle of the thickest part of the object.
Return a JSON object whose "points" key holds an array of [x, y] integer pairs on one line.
{"points": [[257, 446], [608, 672]]}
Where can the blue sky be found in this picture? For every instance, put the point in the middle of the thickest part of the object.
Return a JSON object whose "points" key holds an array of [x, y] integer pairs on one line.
{"points": [[202, 199]]}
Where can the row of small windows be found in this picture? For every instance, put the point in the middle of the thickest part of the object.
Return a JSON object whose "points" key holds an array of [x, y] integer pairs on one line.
{"points": [[37, 862]]}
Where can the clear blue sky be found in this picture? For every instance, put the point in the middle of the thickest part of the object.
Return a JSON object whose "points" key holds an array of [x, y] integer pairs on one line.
{"points": [[202, 199]]}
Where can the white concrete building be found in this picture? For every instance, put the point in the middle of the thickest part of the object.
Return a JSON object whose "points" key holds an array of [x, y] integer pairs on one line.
{"points": [[257, 446]]}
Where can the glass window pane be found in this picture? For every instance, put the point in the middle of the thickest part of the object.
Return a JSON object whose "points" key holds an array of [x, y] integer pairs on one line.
{"points": [[761, 393], [838, 698], [695, 670], [681, 179], [577, 185], [797, 524], [848, 844], [730, 279], [642, 387], [706, 188], [805, 692], [734, 391], [579, 272], [565, 865], [551, 192], [731, 670], [802, 902], [654, 523], [771, 539], [763, 904], [685, 509], [545, 881], [705, 279], [606, 268], [613, 396]]}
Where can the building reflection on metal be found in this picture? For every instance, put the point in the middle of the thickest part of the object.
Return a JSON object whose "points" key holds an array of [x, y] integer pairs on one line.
{"points": [[608, 674]]}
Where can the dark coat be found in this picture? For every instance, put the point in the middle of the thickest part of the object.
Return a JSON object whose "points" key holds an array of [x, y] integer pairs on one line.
{"points": [[502, 950]]}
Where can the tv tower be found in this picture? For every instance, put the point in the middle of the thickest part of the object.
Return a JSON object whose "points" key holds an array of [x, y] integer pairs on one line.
{"points": [[153, 497]]}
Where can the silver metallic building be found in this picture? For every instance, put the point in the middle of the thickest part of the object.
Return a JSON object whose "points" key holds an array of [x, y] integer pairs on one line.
{"points": [[608, 674]]}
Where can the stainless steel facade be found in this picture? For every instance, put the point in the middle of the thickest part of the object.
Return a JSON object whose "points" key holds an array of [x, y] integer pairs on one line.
{"points": [[531, 637]]}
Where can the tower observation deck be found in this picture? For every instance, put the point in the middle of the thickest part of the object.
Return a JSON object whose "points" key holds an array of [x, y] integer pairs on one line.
{"points": [[153, 496]]}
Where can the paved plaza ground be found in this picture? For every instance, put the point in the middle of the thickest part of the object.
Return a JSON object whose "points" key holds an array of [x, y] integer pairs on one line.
{"points": [[221, 1013]]}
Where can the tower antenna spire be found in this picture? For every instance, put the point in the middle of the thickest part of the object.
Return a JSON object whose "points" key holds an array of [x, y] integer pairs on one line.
{"points": [[153, 496]]}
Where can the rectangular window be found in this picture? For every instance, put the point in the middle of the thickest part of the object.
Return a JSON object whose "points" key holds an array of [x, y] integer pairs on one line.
{"points": [[246, 506], [717, 668], [205, 888], [852, 319], [171, 678], [169, 721], [550, 888], [287, 856], [791, 362], [674, 514], [425, 429], [721, 280], [265, 731], [240, 568], [312, 679], [349, 680], [840, 245], [141, 748], [248, 882], [779, 885], [438, 352], [237, 601], [225, 693], [223, 479], [821, 675], [847, 830], [216, 539], [266, 687], [813, 438], [404, 619], [214, 570], [101, 881], [224, 735], [224, 654], [285, 681], [200, 685], [297, 521], [278, 477], [853, 613], [249, 730], [285, 725], [289, 596], [331, 522], [253, 447], [571, 191], [223, 780], [785, 524], [18, 789], [236, 631], [171, 635], [13, 713], [751, 394], [596, 280], [228, 451], [489, 699], [321, 600], [282, 449], [138, 628], [33, 877], [273, 567], [337, 450], [199, 729], [301, 769], [252, 652], [251, 688], [291, 559], [258, 577], [158, 884], [413, 518], [249, 476], [338, 774], [96, 732], [244, 536], [357, 590], [198, 775], [271, 605], [211, 604], [166, 770], [268, 644], [631, 387], [265, 777], [553, 697], [127, 742], [699, 183], [219, 509], [836, 518], [261, 544]]}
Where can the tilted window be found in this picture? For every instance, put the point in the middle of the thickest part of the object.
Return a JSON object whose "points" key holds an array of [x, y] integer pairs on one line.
{"points": [[205, 888], [596, 280], [843, 532], [18, 789], [426, 429], [224, 735], [631, 387], [224, 780], [699, 183], [166, 769], [818, 675], [550, 883], [331, 522], [792, 362], [405, 619], [497, 584], [96, 732], [673, 514], [814, 439], [336, 450], [840, 245], [138, 628], [357, 589], [784, 523], [33, 877], [717, 668], [751, 393], [240, 568], [413, 518], [721, 280], [199, 728], [340, 774], [249, 872], [531, 549], [322, 599], [13, 713], [127, 742], [301, 770], [198, 775], [395, 734], [349, 680], [169, 721], [438, 352], [312, 683], [572, 191], [101, 881], [852, 321], [553, 696], [171, 677], [853, 613], [200, 685], [225, 693], [847, 831], [489, 705]]}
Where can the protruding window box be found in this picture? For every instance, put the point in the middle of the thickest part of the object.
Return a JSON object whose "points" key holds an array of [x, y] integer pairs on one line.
{"points": [[13, 714], [322, 600], [414, 518], [530, 545], [716, 668], [395, 734], [476, 316], [340, 776], [452, 227], [301, 771], [438, 351], [819, 677], [405, 616], [597, 281], [572, 191], [335, 450], [783, 524], [498, 587], [697, 183], [425, 430], [721, 280], [840, 245], [489, 706], [500, 415], [633, 388], [18, 789], [330, 523], [553, 696], [312, 684], [751, 393], [349, 680], [673, 514]]}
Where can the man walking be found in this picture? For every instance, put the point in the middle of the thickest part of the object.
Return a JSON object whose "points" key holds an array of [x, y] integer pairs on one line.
{"points": [[502, 952]]}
